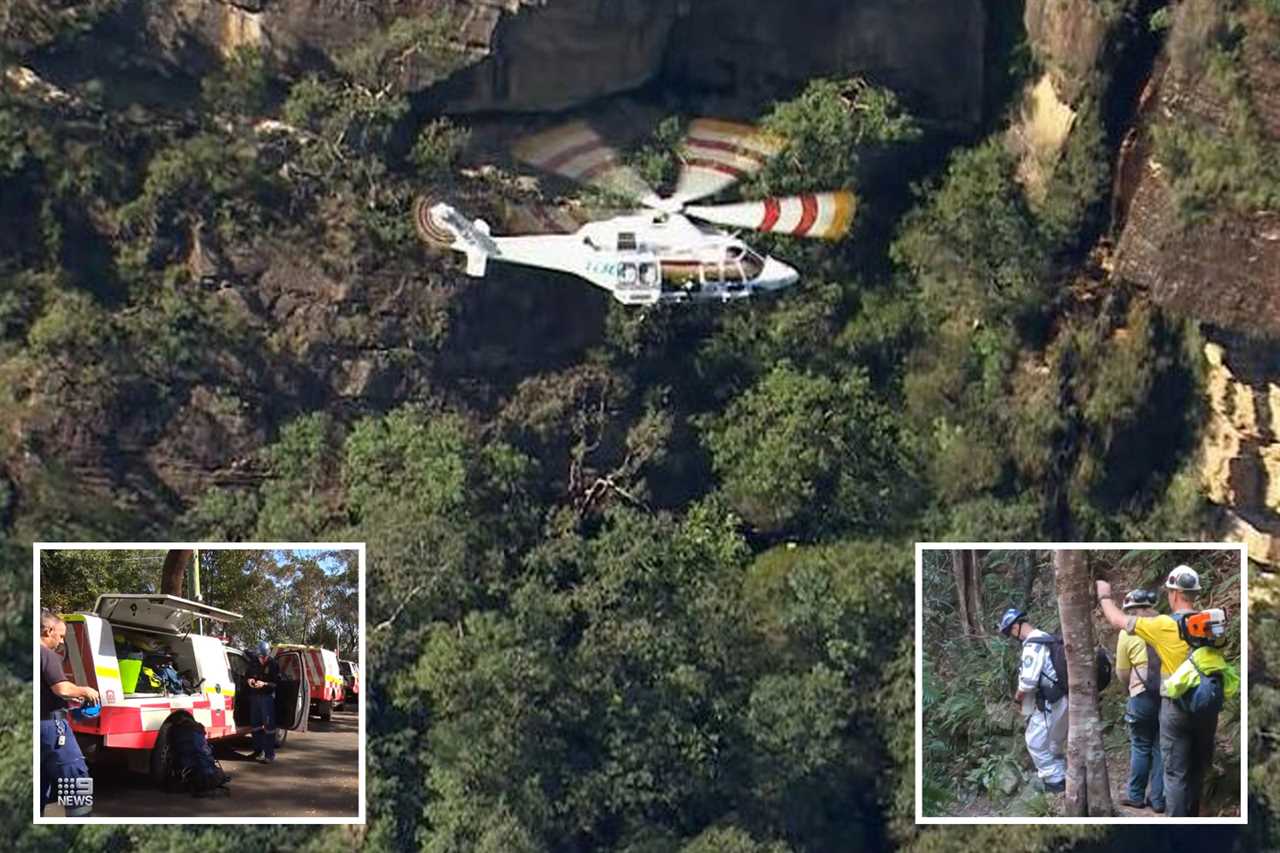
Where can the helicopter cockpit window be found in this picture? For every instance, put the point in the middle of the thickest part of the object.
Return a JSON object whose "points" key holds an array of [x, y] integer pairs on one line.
{"points": [[742, 264]]}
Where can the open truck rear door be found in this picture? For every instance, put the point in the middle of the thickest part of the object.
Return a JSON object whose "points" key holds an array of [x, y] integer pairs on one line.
{"points": [[293, 693], [167, 614]]}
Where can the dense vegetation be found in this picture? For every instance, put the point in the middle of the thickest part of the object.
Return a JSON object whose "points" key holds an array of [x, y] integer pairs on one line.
{"points": [[643, 586]]}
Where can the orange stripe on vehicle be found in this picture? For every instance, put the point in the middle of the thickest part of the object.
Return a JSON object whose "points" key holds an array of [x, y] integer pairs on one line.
{"points": [[808, 213]]}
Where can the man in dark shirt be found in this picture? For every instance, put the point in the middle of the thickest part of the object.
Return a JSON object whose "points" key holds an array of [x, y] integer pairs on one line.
{"points": [[60, 755], [262, 675]]}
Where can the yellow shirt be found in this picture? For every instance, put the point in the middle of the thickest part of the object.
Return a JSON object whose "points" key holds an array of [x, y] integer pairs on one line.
{"points": [[1162, 633], [1131, 655]]}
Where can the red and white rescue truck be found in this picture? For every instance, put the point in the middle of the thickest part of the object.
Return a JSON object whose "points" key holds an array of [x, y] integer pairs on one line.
{"points": [[350, 680], [137, 721], [323, 676]]}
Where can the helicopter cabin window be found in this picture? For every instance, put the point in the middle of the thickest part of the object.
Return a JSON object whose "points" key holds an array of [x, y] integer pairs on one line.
{"points": [[626, 241], [711, 271]]}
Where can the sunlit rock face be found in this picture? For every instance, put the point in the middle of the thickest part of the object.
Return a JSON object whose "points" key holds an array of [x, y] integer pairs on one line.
{"points": [[1241, 467]]}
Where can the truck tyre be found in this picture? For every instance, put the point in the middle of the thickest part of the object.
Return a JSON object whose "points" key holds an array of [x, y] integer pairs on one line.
{"points": [[162, 758], [324, 710]]}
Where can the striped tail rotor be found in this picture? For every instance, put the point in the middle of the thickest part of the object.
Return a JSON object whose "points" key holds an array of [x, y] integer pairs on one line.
{"points": [[827, 216], [429, 228]]}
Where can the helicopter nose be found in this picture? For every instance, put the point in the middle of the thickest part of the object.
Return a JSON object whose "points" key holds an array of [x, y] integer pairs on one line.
{"points": [[777, 275]]}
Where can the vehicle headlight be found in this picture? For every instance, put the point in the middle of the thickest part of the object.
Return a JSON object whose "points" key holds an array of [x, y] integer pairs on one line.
{"points": [[649, 273], [627, 273]]}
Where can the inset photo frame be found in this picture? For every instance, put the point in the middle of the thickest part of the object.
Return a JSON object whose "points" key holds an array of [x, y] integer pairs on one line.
{"points": [[199, 682], [1081, 682]]}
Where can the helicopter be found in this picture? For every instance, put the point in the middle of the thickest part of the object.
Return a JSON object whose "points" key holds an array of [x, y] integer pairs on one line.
{"points": [[666, 249]]}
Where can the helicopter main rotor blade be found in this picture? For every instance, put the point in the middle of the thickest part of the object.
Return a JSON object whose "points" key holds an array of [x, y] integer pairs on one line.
{"points": [[531, 218], [823, 215], [575, 151], [716, 154]]}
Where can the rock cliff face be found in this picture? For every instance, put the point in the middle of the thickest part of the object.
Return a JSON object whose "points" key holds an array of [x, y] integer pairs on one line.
{"points": [[546, 55], [1241, 467], [566, 52], [1223, 270]]}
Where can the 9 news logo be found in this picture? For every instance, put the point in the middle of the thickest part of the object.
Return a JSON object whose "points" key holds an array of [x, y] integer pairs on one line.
{"points": [[75, 793]]}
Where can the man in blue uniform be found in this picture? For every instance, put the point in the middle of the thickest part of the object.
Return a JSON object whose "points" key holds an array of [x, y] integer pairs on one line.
{"points": [[262, 675], [60, 755]]}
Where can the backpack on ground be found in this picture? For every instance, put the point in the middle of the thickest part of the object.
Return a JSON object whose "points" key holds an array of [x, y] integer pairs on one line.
{"points": [[195, 769], [1059, 686]]}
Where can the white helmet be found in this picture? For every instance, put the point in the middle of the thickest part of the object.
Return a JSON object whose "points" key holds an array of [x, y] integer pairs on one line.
{"points": [[1183, 579]]}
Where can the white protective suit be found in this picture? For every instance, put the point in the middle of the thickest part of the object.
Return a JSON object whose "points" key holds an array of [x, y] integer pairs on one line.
{"points": [[1047, 729]]}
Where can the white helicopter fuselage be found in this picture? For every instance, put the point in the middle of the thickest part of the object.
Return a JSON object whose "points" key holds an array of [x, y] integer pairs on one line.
{"points": [[641, 258]]}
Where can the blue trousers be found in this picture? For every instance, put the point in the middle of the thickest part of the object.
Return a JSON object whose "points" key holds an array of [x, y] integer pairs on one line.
{"points": [[1145, 760], [262, 716], [63, 762]]}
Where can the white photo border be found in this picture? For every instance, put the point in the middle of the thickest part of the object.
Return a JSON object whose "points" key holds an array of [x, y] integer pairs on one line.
{"points": [[37, 548], [1239, 547]]}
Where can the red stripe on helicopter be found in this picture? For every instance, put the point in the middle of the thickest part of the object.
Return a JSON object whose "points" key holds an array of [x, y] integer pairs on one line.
{"points": [[715, 166], [772, 209], [808, 213], [545, 219], [598, 169], [720, 145], [556, 161]]}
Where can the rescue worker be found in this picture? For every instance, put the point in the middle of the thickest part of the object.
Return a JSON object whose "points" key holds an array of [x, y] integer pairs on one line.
{"points": [[1143, 710], [262, 675], [1046, 717], [1186, 742], [60, 755]]}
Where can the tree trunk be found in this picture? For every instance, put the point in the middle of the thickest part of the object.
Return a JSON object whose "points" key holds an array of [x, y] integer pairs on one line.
{"points": [[965, 567], [1029, 576], [976, 608], [1088, 788], [175, 569], [958, 568]]}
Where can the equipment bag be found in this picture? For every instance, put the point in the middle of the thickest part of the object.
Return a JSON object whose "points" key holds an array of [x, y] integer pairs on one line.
{"points": [[1206, 698], [1056, 688], [195, 768]]}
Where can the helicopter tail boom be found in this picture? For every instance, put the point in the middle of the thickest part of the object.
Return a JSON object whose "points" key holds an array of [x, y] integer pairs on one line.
{"points": [[441, 224]]}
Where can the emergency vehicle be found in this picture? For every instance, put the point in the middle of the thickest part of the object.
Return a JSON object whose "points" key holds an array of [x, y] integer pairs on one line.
{"points": [[323, 676], [138, 720], [350, 680]]}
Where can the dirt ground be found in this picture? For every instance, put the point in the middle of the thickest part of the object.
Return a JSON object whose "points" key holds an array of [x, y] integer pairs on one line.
{"points": [[315, 774]]}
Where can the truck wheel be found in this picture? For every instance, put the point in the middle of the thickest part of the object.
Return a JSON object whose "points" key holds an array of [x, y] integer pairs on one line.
{"points": [[281, 734], [324, 710], [162, 758]]}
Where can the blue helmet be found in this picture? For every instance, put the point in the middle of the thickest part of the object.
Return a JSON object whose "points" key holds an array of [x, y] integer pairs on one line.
{"points": [[264, 649], [1009, 618]]}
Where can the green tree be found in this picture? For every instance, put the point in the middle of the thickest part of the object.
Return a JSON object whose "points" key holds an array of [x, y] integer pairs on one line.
{"points": [[801, 452]]}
